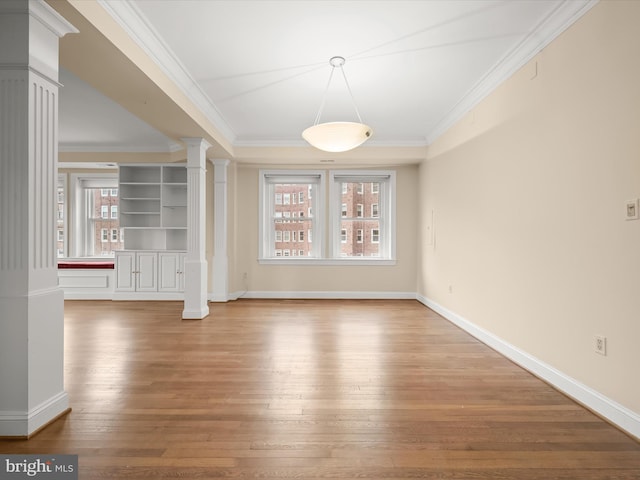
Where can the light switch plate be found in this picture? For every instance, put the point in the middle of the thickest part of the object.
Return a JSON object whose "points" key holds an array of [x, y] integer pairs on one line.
{"points": [[632, 209]]}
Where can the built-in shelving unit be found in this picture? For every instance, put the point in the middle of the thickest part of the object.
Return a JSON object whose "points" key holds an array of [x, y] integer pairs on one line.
{"points": [[153, 214], [153, 206]]}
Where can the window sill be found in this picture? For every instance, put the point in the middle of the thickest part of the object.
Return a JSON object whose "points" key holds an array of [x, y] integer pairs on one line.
{"points": [[327, 261]]}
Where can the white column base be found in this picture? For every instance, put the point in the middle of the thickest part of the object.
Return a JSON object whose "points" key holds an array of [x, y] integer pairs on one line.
{"points": [[31, 361], [220, 275], [195, 291], [23, 424]]}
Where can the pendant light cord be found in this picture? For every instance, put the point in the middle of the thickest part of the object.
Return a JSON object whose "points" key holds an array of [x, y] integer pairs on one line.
{"points": [[350, 94], [326, 90]]}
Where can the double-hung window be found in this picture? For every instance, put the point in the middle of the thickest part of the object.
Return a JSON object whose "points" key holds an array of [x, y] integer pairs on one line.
{"points": [[362, 207], [358, 218], [277, 187], [93, 203]]}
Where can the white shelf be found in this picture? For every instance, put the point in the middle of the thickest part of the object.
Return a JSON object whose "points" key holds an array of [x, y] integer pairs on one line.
{"points": [[153, 206]]}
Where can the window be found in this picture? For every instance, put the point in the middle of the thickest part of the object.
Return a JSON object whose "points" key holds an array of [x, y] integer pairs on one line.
{"points": [[61, 226], [93, 205], [368, 218], [358, 217], [277, 188]]}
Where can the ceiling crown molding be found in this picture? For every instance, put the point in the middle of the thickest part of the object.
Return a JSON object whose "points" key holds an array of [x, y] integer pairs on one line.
{"points": [[95, 148], [146, 37], [556, 22]]}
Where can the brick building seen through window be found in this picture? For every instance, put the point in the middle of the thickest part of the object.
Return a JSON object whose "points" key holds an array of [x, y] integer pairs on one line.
{"points": [[360, 223]]}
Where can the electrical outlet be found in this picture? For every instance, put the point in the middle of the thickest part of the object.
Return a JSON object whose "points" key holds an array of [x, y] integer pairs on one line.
{"points": [[600, 344]]}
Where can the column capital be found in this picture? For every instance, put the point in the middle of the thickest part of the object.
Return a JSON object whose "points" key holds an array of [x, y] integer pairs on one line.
{"points": [[220, 162], [198, 142], [39, 27], [45, 14]]}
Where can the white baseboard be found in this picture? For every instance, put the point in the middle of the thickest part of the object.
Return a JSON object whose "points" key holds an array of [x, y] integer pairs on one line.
{"points": [[624, 418], [23, 424], [87, 296], [170, 296], [319, 295]]}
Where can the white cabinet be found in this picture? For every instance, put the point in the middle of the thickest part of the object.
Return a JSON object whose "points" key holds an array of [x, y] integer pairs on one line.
{"points": [[125, 266], [171, 271], [149, 275], [136, 271]]}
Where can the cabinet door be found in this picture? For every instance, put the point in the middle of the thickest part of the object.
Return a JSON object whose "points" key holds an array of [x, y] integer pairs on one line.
{"points": [[147, 276], [170, 272], [125, 263]]}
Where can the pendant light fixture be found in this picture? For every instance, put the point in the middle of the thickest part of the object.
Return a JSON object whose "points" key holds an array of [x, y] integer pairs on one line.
{"points": [[337, 136]]}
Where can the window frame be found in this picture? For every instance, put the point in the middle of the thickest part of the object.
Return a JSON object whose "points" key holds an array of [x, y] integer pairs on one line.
{"points": [[386, 215], [315, 179], [328, 215], [80, 240]]}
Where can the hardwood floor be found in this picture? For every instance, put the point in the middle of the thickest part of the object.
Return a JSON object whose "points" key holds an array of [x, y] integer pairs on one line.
{"points": [[311, 390]]}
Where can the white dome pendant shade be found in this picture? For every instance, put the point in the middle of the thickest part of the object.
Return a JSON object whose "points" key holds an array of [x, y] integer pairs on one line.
{"points": [[337, 136]]}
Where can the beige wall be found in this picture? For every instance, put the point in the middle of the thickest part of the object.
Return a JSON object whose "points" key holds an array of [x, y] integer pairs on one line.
{"points": [[298, 279], [528, 194]]}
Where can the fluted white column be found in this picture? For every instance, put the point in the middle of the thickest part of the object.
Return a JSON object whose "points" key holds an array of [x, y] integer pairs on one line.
{"points": [[195, 265], [31, 303], [220, 256]]}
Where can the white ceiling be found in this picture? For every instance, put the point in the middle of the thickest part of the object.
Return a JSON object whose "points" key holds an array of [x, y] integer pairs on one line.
{"points": [[258, 68]]}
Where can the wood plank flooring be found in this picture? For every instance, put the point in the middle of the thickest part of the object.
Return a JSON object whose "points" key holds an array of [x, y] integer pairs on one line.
{"points": [[311, 390]]}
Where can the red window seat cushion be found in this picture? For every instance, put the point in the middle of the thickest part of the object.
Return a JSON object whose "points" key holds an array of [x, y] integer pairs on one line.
{"points": [[86, 265]]}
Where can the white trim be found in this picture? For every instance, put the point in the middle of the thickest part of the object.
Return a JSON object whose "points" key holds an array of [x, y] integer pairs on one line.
{"points": [[341, 261], [170, 147], [22, 424], [338, 295], [621, 416], [556, 22], [51, 19], [129, 17], [195, 314], [173, 296]]}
